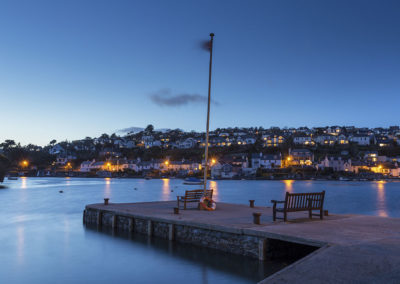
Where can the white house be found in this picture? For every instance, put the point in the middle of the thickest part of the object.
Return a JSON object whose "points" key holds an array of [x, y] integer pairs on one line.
{"points": [[361, 139], [342, 139], [187, 143], [250, 140], [266, 161], [338, 164], [86, 166], [273, 140], [326, 139], [303, 140], [57, 149]]}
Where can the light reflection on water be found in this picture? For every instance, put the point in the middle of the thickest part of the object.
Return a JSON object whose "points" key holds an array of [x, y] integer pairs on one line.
{"points": [[166, 191], [288, 185], [381, 200], [214, 185], [42, 236], [20, 244], [107, 188], [23, 182]]}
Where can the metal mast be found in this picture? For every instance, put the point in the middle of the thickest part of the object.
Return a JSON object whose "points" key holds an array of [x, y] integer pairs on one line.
{"points": [[208, 115]]}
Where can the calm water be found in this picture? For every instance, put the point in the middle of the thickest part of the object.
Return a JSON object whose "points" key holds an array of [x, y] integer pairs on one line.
{"points": [[42, 239]]}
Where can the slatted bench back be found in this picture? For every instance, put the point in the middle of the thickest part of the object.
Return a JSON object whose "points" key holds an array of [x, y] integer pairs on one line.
{"points": [[300, 201], [195, 195]]}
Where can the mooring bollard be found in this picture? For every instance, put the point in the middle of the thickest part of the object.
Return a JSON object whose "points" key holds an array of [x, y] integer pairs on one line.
{"points": [[176, 210], [256, 218], [251, 203], [106, 201], [326, 213]]}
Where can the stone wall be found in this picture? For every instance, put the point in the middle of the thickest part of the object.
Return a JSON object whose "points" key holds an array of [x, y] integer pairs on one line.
{"points": [[252, 246]]}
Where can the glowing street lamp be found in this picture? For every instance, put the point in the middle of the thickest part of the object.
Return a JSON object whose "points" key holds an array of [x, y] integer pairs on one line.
{"points": [[25, 163], [68, 166], [108, 165]]}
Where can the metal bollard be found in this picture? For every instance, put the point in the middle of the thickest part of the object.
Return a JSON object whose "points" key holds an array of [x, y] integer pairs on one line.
{"points": [[251, 203], [176, 210], [106, 201], [256, 218], [326, 213]]}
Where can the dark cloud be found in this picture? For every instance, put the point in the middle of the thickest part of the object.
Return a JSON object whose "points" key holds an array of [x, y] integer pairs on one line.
{"points": [[165, 98]]}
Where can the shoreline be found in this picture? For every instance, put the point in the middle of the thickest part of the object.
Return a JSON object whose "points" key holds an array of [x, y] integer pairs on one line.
{"points": [[220, 179]]}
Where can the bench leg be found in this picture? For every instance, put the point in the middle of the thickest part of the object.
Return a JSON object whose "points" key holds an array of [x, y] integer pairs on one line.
{"points": [[284, 216], [178, 201], [321, 214], [310, 214], [274, 215], [184, 205]]}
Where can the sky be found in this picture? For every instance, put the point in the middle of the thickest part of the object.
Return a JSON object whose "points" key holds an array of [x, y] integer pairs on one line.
{"points": [[77, 68]]}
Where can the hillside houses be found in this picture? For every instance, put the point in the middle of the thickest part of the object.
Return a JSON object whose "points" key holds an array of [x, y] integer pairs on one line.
{"points": [[257, 150]]}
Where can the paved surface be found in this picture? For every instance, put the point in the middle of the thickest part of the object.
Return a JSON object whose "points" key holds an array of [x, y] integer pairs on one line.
{"points": [[354, 248]]}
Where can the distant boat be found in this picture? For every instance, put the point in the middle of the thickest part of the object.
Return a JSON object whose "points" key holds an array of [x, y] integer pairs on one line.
{"points": [[147, 178], [193, 181], [12, 178]]}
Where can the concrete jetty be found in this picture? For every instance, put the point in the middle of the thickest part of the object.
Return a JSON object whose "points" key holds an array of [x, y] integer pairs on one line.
{"points": [[338, 249]]}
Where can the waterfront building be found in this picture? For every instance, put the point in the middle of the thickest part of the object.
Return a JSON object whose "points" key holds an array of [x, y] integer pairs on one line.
{"points": [[337, 163], [266, 161], [300, 157]]}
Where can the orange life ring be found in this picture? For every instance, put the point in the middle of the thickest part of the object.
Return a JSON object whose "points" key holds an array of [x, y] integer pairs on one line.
{"points": [[208, 204]]}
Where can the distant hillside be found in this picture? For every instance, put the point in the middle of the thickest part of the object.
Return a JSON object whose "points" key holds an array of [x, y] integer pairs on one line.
{"points": [[134, 130]]}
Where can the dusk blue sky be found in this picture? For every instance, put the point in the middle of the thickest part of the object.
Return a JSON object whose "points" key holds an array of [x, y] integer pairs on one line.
{"points": [[70, 69]]}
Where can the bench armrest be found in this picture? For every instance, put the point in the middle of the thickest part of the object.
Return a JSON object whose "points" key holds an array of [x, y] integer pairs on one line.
{"points": [[276, 201]]}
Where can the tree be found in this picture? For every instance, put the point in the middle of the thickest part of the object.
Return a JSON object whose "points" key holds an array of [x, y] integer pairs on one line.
{"points": [[4, 165], [52, 142], [149, 129], [7, 144]]}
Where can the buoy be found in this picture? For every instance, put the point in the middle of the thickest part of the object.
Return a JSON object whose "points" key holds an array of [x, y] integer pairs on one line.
{"points": [[135, 188], [61, 191], [172, 190]]}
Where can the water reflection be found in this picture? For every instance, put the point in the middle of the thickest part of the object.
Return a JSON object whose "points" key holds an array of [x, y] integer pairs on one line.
{"points": [[23, 182], [214, 185], [20, 244], [288, 185], [107, 188], [240, 269], [166, 191], [381, 200]]}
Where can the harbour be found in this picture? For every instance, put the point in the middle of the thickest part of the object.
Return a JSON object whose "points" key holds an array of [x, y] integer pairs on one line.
{"points": [[42, 228], [324, 249]]}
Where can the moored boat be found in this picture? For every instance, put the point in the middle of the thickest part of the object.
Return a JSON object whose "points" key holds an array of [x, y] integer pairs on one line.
{"points": [[193, 181]]}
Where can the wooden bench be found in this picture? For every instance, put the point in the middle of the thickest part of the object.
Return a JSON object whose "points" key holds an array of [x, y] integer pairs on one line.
{"points": [[295, 202], [193, 196]]}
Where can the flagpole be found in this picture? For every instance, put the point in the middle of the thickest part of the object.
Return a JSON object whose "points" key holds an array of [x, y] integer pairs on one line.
{"points": [[208, 115]]}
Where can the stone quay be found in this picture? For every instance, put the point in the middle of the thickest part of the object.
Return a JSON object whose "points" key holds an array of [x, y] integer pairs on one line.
{"points": [[337, 249]]}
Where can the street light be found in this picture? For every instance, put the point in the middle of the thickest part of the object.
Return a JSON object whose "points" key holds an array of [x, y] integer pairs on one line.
{"points": [[25, 163]]}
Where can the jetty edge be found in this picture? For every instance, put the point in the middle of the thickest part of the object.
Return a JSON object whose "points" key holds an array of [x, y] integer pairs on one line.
{"points": [[339, 248]]}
